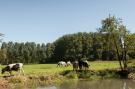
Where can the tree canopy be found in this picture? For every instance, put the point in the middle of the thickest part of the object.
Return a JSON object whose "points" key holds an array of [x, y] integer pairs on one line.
{"points": [[111, 41]]}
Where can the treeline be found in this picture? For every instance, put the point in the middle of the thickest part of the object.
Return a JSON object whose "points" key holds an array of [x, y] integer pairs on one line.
{"points": [[84, 45], [28, 52], [105, 44]]}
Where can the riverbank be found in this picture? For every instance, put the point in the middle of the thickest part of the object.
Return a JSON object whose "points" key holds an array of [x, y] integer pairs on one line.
{"points": [[34, 80], [29, 81], [47, 74]]}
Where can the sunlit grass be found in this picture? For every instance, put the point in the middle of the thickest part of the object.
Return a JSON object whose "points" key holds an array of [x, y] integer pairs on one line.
{"points": [[101, 65], [44, 68], [40, 74], [52, 68]]}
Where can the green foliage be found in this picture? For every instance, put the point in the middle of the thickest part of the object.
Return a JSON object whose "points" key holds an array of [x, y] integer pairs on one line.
{"points": [[72, 75], [115, 34], [100, 45], [28, 52], [85, 74]]}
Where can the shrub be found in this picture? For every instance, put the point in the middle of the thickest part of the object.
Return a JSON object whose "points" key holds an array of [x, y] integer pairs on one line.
{"points": [[85, 74], [72, 75]]}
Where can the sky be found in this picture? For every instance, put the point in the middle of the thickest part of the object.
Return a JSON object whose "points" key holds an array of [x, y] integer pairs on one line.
{"points": [[44, 21]]}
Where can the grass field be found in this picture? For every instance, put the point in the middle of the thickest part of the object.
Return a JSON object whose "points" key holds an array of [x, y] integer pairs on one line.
{"points": [[49, 73], [52, 68]]}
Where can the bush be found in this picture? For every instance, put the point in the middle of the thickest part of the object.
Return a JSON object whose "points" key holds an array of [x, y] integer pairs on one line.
{"points": [[72, 75], [85, 74]]}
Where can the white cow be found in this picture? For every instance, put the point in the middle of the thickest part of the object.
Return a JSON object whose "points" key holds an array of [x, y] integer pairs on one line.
{"points": [[61, 63], [69, 63]]}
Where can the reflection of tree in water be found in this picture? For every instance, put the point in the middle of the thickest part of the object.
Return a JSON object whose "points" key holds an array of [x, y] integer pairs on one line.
{"points": [[129, 84], [99, 84]]}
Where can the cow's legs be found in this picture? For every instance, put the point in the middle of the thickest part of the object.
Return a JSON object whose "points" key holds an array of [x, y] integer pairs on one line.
{"points": [[22, 71], [10, 73]]}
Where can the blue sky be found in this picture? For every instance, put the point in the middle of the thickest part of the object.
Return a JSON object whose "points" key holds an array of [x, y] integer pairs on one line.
{"points": [[44, 21]]}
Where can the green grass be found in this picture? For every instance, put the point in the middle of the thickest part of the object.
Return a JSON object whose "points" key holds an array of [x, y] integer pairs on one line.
{"points": [[102, 65], [52, 68], [41, 69], [44, 68], [39, 73]]}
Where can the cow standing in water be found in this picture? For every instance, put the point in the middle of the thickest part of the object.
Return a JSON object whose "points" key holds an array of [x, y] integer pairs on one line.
{"points": [[13, 67]]}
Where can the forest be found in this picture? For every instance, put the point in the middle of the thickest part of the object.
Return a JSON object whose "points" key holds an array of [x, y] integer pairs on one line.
{"points": [[104, 44]]}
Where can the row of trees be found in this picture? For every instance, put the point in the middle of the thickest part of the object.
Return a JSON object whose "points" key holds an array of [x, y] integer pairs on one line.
{"points": [[112, 41], [22, 52]]}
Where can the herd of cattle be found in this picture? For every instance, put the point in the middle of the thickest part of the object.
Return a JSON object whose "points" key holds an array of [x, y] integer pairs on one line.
{"points": [[77, 65]]}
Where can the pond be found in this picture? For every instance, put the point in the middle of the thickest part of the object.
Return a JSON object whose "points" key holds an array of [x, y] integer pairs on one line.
{"points": [[95, 84]]}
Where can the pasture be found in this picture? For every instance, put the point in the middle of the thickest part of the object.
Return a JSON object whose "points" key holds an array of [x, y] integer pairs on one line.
{"points": [[47, 74], [52, 68]]}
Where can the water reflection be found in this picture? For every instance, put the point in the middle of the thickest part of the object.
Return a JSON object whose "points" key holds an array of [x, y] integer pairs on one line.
{"points": [[98, 84], [52, 87]]}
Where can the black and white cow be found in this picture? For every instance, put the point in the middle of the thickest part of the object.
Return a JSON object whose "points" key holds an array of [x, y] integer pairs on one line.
{"points": [[81, 65], [13, 67]]}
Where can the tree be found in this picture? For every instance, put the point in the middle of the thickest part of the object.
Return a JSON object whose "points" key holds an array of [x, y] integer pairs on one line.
{"points": [[131, 45], [50, 47], [116, 33]]}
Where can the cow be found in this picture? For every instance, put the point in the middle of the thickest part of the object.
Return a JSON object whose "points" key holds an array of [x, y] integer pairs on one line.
{"points": [[75, 65], [83, 64], [68, 63], [13, 67], [61, 63]]}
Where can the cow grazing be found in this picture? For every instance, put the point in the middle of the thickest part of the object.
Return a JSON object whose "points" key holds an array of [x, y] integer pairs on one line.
{"points": [[75, 65], [61, 63], [13, 67], [68, 63], [83, 64]]}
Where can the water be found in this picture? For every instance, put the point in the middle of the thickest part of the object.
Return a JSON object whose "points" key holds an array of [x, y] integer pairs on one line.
{"points": [[52, 87], [98, 84]]}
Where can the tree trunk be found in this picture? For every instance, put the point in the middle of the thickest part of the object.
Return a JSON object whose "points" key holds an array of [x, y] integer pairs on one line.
{"points": [[118, 54]]}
